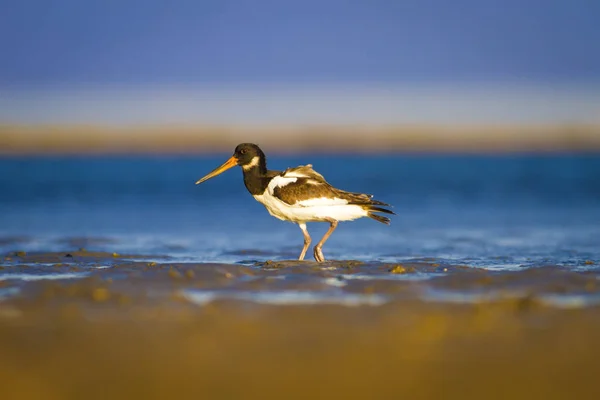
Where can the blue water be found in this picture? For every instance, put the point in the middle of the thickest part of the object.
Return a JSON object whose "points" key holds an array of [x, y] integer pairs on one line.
{"points": [[497, 212]]}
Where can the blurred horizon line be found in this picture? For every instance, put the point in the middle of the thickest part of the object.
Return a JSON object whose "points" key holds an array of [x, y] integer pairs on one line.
{"points": [[48, 139], [333, 103]]}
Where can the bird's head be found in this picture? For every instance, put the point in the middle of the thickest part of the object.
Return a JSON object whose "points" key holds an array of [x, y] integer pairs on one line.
{"points": [[246, 155]]}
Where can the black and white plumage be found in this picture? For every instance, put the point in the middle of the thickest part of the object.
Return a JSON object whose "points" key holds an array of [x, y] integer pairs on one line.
{"points": [[300, 195]]}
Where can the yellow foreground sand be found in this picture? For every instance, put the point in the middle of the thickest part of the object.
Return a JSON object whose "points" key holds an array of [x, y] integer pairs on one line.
{"points": [[128, 332]]}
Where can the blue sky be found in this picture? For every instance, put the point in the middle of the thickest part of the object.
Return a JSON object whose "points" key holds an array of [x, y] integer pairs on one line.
{"points": [[284, 61], [64, 42]]}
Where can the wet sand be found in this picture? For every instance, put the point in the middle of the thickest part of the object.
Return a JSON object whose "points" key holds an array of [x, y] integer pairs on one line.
{"points": [[104, 325]]}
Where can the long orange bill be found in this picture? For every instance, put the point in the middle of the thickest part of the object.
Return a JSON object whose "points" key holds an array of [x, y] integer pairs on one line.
{"points": [[232, 162]]}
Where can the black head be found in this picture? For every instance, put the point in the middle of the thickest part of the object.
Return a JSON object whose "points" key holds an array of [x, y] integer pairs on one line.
{"points": [[247, 155]]}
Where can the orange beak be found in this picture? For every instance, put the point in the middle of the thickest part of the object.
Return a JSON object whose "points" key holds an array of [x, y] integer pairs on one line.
{"points": [[232, 162]]}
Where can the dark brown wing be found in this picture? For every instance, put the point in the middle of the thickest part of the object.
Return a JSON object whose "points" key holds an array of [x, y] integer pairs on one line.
{"points": [[303, 186], [303, 189]]}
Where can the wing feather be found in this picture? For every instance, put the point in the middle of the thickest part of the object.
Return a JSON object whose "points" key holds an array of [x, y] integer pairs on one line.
{"points": [[304, 187], [304, 171]]}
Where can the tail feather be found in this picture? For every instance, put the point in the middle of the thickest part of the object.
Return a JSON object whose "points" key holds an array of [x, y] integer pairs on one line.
{"points": [[379, 218], [370, 205], [379, 203], [372, 209], [379, 209]]}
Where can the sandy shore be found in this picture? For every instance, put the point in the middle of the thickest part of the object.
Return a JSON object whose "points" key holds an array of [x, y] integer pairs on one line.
{"points": [[135, 328], [74, 139]]}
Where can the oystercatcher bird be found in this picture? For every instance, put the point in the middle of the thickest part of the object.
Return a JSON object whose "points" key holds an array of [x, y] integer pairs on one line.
{"points": [[300, 195]]}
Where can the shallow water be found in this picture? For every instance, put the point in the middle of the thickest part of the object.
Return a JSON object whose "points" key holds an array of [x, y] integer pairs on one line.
{"points": [[490, 262], [497, 212]]}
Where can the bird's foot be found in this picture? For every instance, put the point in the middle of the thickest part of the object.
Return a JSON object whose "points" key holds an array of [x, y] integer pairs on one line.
{"points": [[318, 253]]}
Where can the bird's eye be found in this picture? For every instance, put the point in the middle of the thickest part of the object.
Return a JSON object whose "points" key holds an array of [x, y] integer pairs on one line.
{"points": [[243, 151]]}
